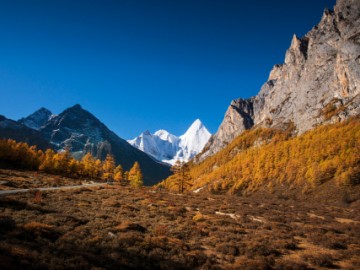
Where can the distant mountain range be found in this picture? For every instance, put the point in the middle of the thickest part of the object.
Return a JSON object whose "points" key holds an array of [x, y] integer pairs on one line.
{"points": [[169, 148], [81, 132]]}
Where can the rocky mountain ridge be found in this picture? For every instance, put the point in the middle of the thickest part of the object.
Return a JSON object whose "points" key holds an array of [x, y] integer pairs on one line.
{"points": [[10, 129], [37, 119], [81, 132], [318, 82]]}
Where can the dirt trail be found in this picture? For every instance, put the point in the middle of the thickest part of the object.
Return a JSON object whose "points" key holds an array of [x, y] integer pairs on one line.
{"points": [[14, 191]]}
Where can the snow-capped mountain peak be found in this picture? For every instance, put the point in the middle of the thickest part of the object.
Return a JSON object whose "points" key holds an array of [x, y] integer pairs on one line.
{"points": [[162, 133], [169, 148], [166, 136], [193, 141], [197, 124], [195, 128]]}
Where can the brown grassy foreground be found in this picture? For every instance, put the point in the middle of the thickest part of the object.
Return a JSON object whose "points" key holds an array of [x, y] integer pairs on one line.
{"points": [[11, 179], [122, 228]]}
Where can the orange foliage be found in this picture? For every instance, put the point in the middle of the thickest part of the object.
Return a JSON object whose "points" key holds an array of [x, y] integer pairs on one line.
{"points": [[19, 155], [266, 157], [22, 156]]}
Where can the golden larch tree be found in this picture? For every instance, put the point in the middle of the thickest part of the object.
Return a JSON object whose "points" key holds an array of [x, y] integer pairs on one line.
{"points": [[136, 176], [118, 173], [108, 167]]}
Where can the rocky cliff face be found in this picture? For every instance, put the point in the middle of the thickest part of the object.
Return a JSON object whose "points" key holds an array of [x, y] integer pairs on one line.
{"points": [[238, 117], [318, 82]]}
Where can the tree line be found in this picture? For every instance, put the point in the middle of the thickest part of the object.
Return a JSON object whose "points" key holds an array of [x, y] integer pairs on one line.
{"points": [[20, 155], [180, 180], [267, 157]]}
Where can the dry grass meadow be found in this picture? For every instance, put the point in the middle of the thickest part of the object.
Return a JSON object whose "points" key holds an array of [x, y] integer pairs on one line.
{"points": [[116, 227]]}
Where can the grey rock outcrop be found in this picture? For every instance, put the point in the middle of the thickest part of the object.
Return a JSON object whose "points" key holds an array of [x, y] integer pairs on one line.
{"points": [[238, 117], [318, 82]]}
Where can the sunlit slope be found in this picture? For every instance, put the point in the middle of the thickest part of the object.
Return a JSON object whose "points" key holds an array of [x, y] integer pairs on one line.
{"points": [[266, 158]]}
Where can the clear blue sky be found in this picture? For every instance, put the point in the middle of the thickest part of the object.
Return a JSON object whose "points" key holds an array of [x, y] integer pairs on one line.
{"points": [[147, 64]]}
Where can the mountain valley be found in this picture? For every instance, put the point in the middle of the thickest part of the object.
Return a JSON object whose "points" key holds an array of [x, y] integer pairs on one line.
{"points": [[277, 187]]}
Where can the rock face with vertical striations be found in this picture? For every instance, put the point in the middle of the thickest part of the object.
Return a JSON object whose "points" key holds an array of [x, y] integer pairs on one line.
{"points": [[238, 117], [319, 81]]}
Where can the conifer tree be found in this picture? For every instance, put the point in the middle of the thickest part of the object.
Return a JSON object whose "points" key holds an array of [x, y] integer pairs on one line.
{"points": [[97, 168], [48, 164], [108, 167], [61, 162], [181, 175], [118, 173], [73, 167], [87, 163], [135, 175]]}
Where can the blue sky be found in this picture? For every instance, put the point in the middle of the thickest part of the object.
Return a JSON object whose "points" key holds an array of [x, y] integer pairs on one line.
{"points": [[144, 65]]}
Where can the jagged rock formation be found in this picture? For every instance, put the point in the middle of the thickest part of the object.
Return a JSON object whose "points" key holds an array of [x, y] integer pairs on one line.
{"points": [[318, 82], [37, 119], [238, 117]]}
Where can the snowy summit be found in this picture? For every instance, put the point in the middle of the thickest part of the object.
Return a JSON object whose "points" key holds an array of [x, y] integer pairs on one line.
{"points": [[169, 148]]}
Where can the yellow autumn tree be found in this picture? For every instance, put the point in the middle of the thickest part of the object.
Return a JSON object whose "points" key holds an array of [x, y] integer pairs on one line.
{"points": [[135, 176], [73, 168], [20, 154], [47, 164], [97, 168], [108, 167], [118, 173], [61, 162], [268, 157], [88, 163]]}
